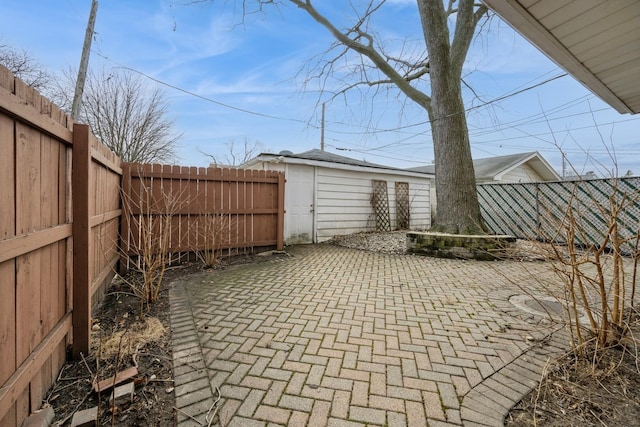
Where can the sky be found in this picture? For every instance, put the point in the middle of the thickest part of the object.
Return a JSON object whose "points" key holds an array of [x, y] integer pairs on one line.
{"points": [[231, 78]]}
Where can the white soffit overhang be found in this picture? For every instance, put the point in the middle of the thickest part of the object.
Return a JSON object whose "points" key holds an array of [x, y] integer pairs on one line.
{"points": [[596, 41]]}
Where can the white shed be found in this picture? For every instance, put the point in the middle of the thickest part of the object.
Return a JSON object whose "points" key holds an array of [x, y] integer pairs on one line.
{"points": [[328, 195]]}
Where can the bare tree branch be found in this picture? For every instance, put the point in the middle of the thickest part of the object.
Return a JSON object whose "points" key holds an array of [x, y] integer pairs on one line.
{"points": [[360, 59], [352, 39], [25, 67], [236, 154], [128, 116]]}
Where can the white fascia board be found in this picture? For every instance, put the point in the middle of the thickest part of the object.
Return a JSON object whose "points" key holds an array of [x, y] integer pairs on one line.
{"points": [[343, 166], [514, 14]]}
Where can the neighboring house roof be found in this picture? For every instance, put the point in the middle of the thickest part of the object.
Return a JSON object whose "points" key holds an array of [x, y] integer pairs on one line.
{"points": [[586, 176], [597, 42], [317, 157], [494, 168]]}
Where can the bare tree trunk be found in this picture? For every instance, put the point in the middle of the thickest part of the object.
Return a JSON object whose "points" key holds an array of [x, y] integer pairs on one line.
{"points": [[458, 207], [459, 210]]}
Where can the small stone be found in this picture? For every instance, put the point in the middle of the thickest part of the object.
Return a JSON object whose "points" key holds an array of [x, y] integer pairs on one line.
{"points": [[85, 418], [122, 394], [40, 418], [169, 390]]}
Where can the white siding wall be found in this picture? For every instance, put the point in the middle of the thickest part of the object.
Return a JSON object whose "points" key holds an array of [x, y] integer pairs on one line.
{"points": [[523, 173], [344, 201]]}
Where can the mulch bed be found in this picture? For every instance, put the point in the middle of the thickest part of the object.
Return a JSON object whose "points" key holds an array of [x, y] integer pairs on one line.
{"points": [[600, 388], [119, 319]]}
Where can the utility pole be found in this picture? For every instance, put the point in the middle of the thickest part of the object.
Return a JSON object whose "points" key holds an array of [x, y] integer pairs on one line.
{"points": [[84, 62], [322, 130]]}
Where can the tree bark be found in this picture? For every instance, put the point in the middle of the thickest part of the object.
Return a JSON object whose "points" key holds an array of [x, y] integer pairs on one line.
{"points": [[457, 198]]}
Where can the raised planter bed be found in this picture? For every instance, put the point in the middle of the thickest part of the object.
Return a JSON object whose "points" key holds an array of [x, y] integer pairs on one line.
{"points": [[480, 247]]}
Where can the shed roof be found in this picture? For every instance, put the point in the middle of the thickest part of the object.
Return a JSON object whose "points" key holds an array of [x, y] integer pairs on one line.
{"points": [[325, 156], [596, 41], [317, 157], [493, 168]]}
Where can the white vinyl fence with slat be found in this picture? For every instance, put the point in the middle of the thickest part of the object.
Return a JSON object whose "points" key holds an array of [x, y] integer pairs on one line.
{"points": [[541, 210]]}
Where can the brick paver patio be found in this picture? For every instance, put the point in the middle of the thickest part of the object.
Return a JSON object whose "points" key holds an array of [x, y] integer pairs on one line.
{"points": [[340, 337]]}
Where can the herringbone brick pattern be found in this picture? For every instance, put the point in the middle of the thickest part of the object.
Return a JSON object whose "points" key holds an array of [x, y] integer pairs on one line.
{"points": [[341, 337]]}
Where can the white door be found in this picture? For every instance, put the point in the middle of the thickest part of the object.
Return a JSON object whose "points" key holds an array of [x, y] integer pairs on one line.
{"points": [[299, 195]]}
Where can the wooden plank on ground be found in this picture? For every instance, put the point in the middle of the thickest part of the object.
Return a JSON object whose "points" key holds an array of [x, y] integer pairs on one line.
{"points": [[119, 378]]}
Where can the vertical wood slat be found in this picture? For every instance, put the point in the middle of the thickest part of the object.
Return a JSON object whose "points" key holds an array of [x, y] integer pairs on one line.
{"points": [[28, 177], [7, 268], [252, 203], [125, 223], [281, 189], [81, 241]]}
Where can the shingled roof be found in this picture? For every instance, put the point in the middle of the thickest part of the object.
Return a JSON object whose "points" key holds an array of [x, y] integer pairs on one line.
{"points": [[325, 156], [490, 168]]}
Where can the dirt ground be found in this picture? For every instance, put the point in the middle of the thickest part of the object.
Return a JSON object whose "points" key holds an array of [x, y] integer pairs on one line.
{"points": [[591, 391], [122, 339], [597, 389]]}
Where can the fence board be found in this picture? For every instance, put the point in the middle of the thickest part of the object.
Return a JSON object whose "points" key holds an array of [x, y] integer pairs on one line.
{"points": [[251, 203], [82, 239], [104, 215], [8, 267], [7, 326], [36, 244]]}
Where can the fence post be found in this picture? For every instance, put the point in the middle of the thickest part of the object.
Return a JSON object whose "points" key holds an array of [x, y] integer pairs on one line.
{"points": [[81, 240], [125, 220], [280, 227]]}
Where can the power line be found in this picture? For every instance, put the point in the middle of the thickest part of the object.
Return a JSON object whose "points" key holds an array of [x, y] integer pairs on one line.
{"points": [[204, 98], [270, 116]]}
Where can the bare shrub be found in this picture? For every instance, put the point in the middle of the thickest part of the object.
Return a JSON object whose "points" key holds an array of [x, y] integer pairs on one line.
{"points": [[152, 211], [214, 231], [597, 265]]}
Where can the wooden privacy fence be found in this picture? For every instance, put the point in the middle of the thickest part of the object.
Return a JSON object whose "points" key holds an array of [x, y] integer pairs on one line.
{"points": [[56, 251], [61, 207], [247, 207], [539, 210]]}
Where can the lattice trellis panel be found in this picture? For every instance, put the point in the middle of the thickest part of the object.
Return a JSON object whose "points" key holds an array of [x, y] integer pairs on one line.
{"points": [[541, 210], [403, 219], [510, 209], [380, 203]]}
